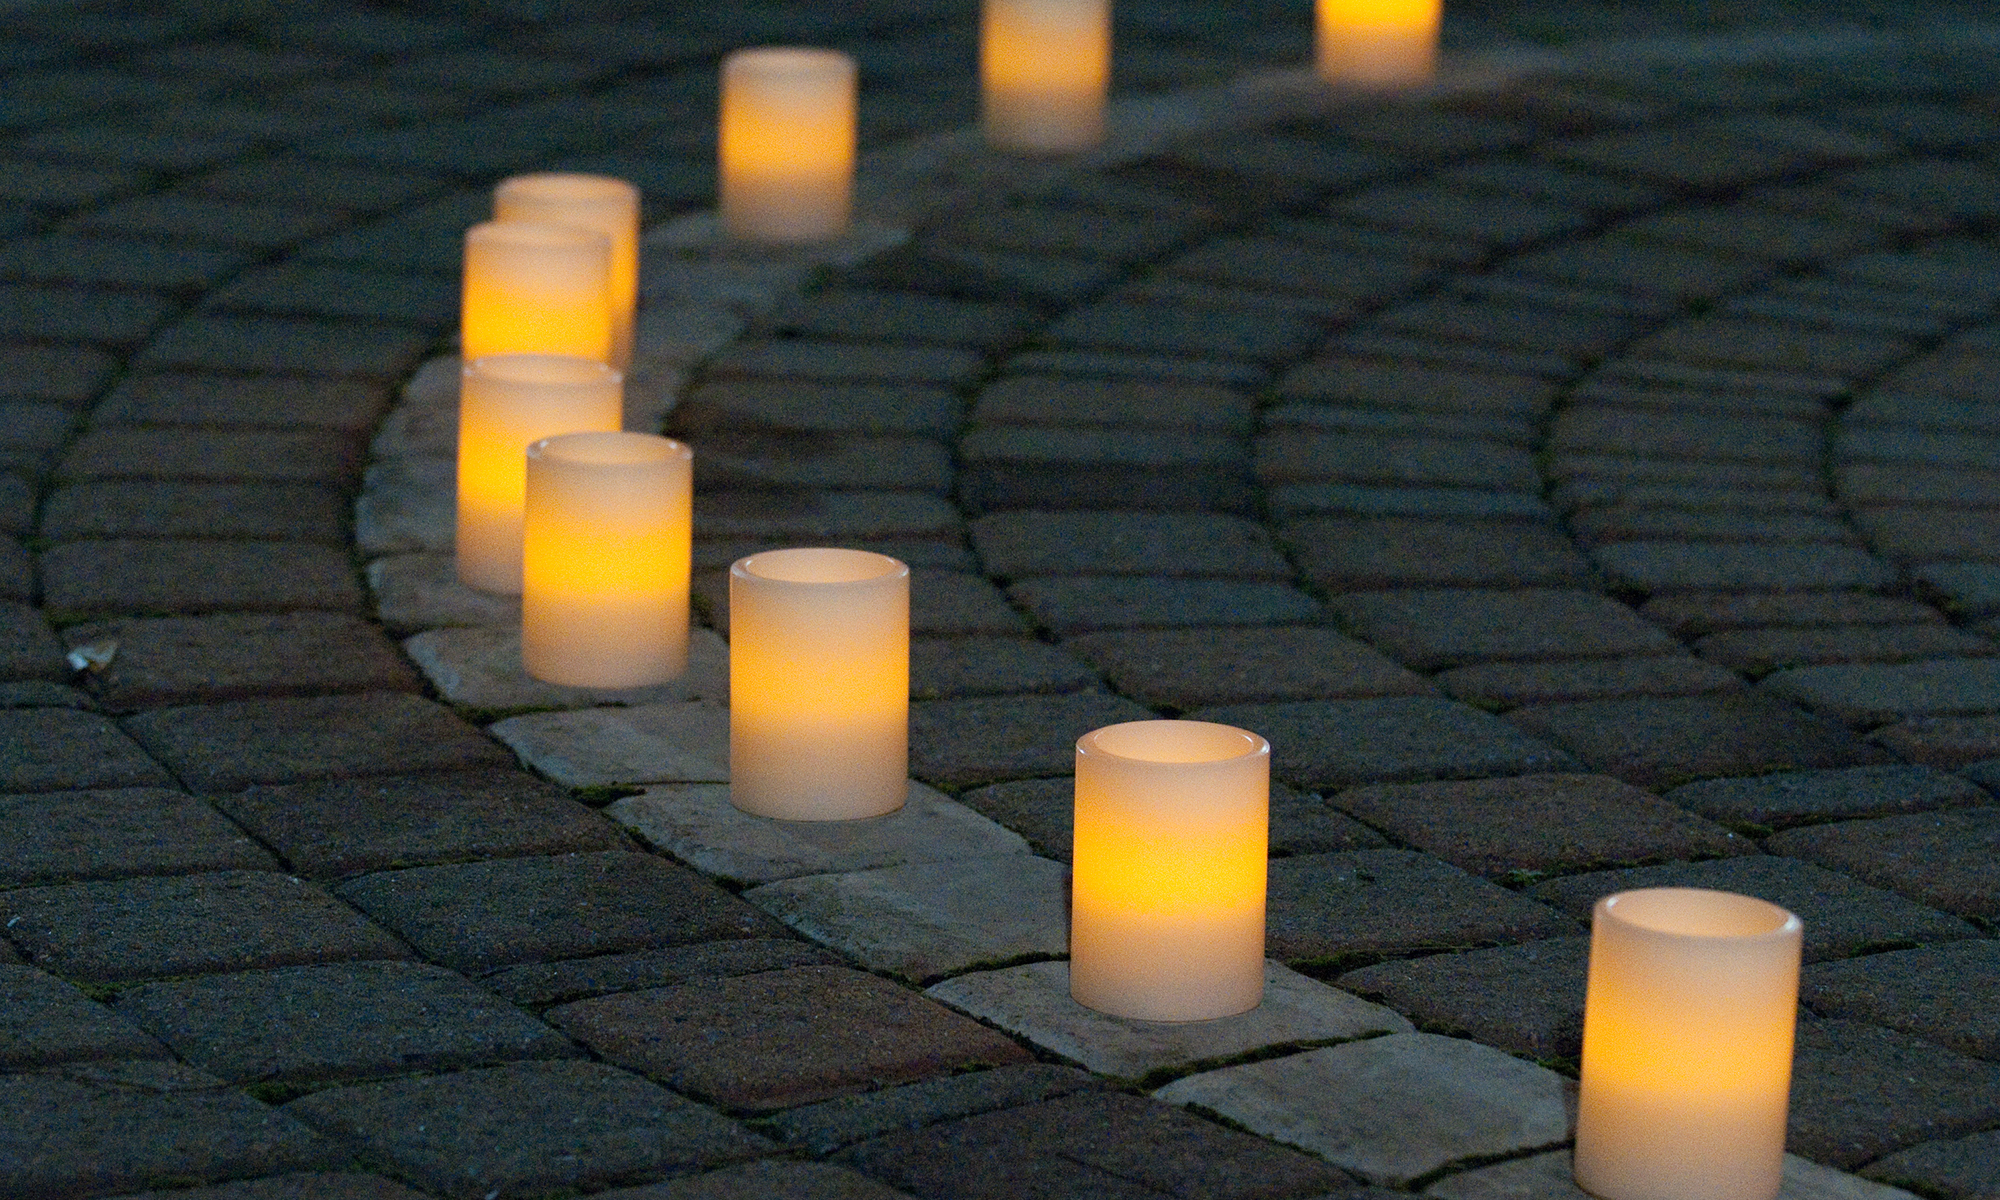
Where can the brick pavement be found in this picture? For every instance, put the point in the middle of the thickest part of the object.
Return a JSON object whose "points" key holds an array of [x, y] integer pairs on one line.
{"points": [[1587, 476]]}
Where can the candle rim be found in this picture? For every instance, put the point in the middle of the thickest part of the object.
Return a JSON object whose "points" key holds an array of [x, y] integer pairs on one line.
{"points": [[786, 61], [542, 370], [757, 566], [537, 233], [1105, 742], [1637, 912], [567, 186], [609, 448]]}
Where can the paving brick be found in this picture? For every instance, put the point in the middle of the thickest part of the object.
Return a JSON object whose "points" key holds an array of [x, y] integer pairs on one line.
{"points": [[49, 1022], [96, 260], [1346, 554], [1657, 566], [1636, 523], [1089, 1144], [982, 739], [782, 1038], [1361, 905], [1297, 499], [230, 400], [1957, 1169], [1579, 337], [540, 984], [1663, 741], [1193, 668], [202, 221], [1606, 476], [286, 345], [1698, 614], [1944, 994], [1525, 999], [161, 576], [1431, 389], [17, 504], [337, 290], [1771, 346], [803, 515], [1842, 917], [1506, 685], [122, 509], [1860, 1091], [1186, 331], [60, 837], [28, 647], [843, 1121], [1593, 427], [1809, 797], [480, 916], [1430, 630], [34, 311], [732, 459], [1946, 742], [941, 602], [144, 928], [1027, 467], [769, 1177], [421, 591], [1968, 589], [527, 1128], [480, 669], [1024, 544], [227, 747], [52, 749], [1668, 273], [1759, 652], [1878, 693], [1281, 265], [847, 362], [17, 571], [1293, 455], [946, 668], [1113, 403], [1316, 745], [1050, 229], [1080, 603], [138, 452], [227, 656], [1496, 221], [1947, 859], [93, 1131], [1757, 232], [1552, 1176]]}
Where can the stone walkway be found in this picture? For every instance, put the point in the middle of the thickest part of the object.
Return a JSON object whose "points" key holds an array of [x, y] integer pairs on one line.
{"points": [[1586, 475]]}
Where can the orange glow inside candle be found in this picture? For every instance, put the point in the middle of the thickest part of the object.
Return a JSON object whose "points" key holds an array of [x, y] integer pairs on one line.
{"points": [[1044, 67], [1378, 43], [1171, 856], [609, 206], [1687, 1046], [819, 684], [787, 143], [535, 288], [505, 402], [606, 559]]}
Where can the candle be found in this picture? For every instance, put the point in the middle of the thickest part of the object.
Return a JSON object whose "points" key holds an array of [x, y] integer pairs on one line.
{"points": [[606, 554], [609, 206], [819, 684], [1687, 1046], [505, 402], [1044, 69], [787, 144], [536, 288], [1378, 43], [1172, 845]]}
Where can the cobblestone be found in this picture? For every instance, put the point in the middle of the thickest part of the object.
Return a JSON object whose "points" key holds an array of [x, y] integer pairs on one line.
{"points": [[50, 1022], [59, 837], [1947, 859]]}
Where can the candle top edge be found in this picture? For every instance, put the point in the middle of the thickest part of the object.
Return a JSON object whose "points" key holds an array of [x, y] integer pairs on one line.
{"points": [[544, 370], [1700, 913], [819, 565], [609, 448], [537, 233], [543, 187], [1176, 743]]}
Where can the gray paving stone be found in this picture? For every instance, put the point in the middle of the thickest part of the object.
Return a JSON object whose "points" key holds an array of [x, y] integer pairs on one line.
{"points": [[948, 668], [1525, 999], [1015, 466], [811, 407], [1588, 428], [421, 591], [32, 311], [330, 1185], [1509, 685], [735, 459], [1944, 994], [49, 1022], [1617, 264], [540, 984], [527, 1128], [231, 656], [1656, 566], [1290, 456], [152, 577], [320, 1023], [1809, 797], [774, 1178], [782, 1038], [1391, 1109], [287, 346], [1105, 1144], [1344, 554], [847, 362], [407, 505], [1282, 265], [1698, 614], [1950, 859], [653, 743], [478, 917], [1878, 693], [1429, 389], [1015, 544], [1956, 1169], [52, 749], [802, 515], [28, 647], [93, 1131], [1759, 652], [1184, 331], [60, 837], [1949, 743], [327, 829], [189, 924], [1552, 1176], [982, 739], [481, 669], [1316, 745], [227, 747], [1193, 668], [1860, 1091], [925, 920], [1969, 589], [128, 508], [1430, 630], [697, 825], [1081, 603], [1112, 403], [845, 1120], [1033, 1002], [1842, 917], [1362, 905]]}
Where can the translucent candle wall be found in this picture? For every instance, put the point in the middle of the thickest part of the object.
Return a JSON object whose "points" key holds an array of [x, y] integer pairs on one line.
{"points": [[605, 573], [505, 402], [1378, 43], [787, 143], [1172, 845], [1687, 1046], [609, 206], [533, 288], [819, 684], [1045, 66]]}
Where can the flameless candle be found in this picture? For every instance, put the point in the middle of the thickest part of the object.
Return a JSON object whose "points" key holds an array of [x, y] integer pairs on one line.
{"points": [[1171, 850], [606, 553], [787, 143], [505, 402], [535, 288], [1044, 68], [819, 684], [609, 206], [1687, 1046], [1378, 43]]}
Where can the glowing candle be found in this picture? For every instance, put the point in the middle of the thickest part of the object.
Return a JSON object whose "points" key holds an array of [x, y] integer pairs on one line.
{"points": [[609, 206], [1687, 1046], [1044, 68], [1172, 845], [505, 402], [604, 601], [535, 288], [1378, 43], [819, 684], [787, 144]]}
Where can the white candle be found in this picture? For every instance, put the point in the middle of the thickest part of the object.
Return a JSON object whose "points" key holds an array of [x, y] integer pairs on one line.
{"points": [[609, 206], [1044, 69], [505, 402], [606, 559], [1687, 1046], [1171, 855], [1378, 43], [819, 684], [787, 143], [536, 288]]}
